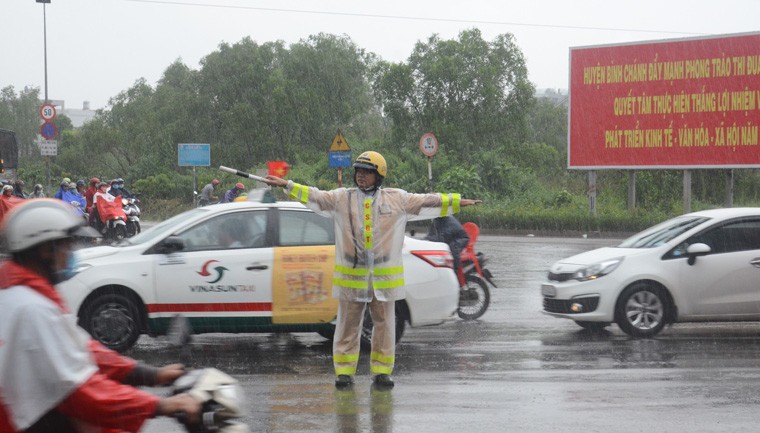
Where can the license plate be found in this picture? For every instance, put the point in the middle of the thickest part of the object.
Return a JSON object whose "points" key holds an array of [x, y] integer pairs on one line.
{"points": [[548, 290]]}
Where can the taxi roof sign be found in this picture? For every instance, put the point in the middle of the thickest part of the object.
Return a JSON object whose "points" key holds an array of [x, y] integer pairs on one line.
{"points": [[339, 143]]}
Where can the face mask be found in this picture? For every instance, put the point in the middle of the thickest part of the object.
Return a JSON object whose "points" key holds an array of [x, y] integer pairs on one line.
{"points": [[69, 271]]}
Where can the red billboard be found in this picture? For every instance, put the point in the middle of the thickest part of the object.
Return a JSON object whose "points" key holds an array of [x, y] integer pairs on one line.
{"points": [[685, 103]]}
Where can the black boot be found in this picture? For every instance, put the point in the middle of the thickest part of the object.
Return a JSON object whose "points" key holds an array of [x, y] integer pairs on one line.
{"points": [[344, 381], [383, 381]]}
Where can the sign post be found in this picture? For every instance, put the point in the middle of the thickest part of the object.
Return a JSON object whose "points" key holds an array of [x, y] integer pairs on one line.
{"points": [[48, 129], [340, 155], [429, 147], [194, 154]]}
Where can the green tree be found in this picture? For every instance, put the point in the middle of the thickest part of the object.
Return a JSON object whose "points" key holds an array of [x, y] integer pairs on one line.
{"points": [[19, 113], [471, 93]]}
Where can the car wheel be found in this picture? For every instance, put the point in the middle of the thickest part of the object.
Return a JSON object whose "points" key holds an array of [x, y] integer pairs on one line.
{"points": [[641, 310], [474, 298], [113, 320], [592, 326], [366, 337]]}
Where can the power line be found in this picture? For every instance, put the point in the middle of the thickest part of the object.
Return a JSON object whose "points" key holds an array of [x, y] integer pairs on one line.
{"points": [[412, 18]]}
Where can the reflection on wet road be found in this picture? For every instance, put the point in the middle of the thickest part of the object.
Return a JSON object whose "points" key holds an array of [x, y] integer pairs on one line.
{"points": [[513, 370]]}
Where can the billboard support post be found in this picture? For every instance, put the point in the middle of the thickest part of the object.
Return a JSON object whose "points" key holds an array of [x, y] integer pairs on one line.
{"points": [[631, 189], [730, 188], [592, 192], [686, 191]]}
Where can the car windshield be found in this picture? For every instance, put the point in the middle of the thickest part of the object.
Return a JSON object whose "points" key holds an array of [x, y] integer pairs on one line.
{"points": [[160, 229], [663, 232]]}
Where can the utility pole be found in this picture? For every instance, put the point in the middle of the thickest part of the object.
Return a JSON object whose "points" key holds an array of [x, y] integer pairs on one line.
{"points": [[44, 33]]}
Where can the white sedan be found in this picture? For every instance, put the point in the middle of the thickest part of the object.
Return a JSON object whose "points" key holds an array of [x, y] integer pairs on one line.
{"points": [[239, 267], [702, 266]]}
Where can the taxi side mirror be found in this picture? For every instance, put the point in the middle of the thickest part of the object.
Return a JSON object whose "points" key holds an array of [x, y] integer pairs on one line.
{"points": [[170, 245]]}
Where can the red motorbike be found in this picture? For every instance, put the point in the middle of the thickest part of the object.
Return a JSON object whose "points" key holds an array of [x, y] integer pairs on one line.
{"points": [[474, 295]]}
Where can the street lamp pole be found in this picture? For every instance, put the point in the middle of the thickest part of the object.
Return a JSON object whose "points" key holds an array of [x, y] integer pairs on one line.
{"points": [[44, 33]]}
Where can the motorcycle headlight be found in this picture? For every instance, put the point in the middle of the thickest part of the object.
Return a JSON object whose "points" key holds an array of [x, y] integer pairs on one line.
{"points": [[597, 270]]}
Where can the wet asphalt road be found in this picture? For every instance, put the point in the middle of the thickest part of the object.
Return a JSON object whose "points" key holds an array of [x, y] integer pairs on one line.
{"points": [[513, 370]]}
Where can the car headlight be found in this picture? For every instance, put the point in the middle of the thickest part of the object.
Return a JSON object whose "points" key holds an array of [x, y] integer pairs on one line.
{"points": [[597, 270]]}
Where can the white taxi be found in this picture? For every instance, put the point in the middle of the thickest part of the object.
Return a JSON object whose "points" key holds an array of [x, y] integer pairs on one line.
{"points": [[239, 267]]}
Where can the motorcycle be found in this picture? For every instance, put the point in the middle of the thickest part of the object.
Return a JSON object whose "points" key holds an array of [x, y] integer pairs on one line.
{"points": [[474, 294], [132, 211], [111, 221], [220, 396]]}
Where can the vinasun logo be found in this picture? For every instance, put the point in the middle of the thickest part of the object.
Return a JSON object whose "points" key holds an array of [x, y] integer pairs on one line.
{"points": [[219, 271]]}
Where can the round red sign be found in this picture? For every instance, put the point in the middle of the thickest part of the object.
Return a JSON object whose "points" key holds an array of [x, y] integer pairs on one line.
{"points": [[429, 144]]}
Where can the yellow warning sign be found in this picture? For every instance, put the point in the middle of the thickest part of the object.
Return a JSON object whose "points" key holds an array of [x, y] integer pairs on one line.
{"points": [[339, 143]]}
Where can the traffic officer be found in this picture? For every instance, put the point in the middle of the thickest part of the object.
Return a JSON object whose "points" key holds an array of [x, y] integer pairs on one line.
{"points": [[369, 233]]}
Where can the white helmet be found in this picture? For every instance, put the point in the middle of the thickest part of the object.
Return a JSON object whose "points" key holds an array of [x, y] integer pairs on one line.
{"points": [[42, 220]]}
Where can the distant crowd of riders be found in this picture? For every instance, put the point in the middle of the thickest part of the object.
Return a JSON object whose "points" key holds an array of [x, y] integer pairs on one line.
{"points": [[84, 201]]}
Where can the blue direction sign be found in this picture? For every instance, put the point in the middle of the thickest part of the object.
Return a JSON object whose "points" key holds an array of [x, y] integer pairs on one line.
{"points": [[48, 130], [340, 159], [194, 154]]}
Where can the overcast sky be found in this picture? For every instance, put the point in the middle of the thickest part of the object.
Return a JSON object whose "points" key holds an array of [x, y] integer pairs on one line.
{"points": [[98, 48]]}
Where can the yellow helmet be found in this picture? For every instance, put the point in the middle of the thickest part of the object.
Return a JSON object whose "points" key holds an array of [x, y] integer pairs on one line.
{"points": [[372, 161]]}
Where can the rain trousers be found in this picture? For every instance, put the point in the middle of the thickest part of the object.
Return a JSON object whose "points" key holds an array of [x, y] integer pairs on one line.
{"points": [[369, 236], [53, 375]]}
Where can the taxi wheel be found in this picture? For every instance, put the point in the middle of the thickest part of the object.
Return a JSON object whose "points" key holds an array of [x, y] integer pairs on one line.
{"points": [[113, 320], [401, 318]]}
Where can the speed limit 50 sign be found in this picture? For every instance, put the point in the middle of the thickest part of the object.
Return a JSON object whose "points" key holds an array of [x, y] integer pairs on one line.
{"points": [[47, 112]]}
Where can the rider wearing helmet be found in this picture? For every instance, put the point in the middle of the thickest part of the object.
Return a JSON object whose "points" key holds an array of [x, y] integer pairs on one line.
{"points": [[38, 192], [116, 187], [368, 262], [91, 192], [56, 377], [63, 187], [18, 189], [207, 196], [80, 187], [232, 193]]}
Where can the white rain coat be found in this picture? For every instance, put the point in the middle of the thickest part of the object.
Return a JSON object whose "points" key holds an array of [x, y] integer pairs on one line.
{"points": [[369, 235], [39, 346]]}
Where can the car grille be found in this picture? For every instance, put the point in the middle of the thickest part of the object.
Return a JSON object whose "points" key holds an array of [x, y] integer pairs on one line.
{"points": [[562, 306], [560, 277]]}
